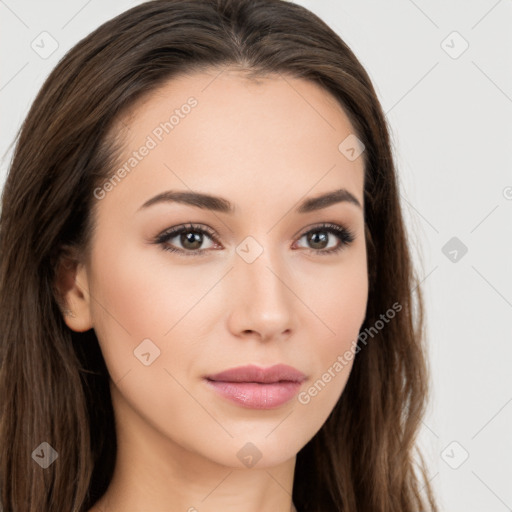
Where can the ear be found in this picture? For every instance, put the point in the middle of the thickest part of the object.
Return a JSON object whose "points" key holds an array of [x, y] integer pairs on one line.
{"points": [[72, 291]]}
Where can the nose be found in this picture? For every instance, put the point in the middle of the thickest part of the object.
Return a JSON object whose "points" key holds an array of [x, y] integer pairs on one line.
{"points": [[261, 299]]}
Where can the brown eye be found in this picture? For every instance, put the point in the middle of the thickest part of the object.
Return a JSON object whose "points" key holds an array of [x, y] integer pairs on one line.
{"points": [[319, 238], [318, 241], [187, 240], [191, 240]]}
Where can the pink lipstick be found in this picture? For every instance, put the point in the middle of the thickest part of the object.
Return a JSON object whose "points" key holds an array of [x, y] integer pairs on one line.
{"points": [[258, 388]]}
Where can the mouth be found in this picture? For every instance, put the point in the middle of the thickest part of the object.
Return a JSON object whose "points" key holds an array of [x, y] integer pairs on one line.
{"points": [[252, 373], [258, 388]]}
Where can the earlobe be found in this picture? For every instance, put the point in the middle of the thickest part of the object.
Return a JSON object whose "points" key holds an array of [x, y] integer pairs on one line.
{"points": [[72, 293]]}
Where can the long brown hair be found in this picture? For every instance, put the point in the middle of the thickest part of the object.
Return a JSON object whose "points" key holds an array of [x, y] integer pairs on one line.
{"points": [[54, 382]]}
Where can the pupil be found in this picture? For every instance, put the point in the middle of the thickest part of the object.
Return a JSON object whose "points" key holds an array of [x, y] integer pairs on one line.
{"points": [[315, 238], [191, 238]]}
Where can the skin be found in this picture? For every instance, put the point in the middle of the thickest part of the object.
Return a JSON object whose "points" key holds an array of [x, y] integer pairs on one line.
{"points": [[265, 147]]}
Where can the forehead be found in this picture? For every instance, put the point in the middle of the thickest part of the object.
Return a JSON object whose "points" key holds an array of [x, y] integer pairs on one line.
{"points": [[219, 131]]}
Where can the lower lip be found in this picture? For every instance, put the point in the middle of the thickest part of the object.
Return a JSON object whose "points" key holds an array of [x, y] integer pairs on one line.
{"points": [[257, 396]]}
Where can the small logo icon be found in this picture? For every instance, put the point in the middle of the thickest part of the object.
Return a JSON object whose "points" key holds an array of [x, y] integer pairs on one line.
{"points": [[351, 147], [249, 455], [146, 352], [454, 249], [454, 45], [44, 45], [454, 455], [249, 249], [44, 455]]}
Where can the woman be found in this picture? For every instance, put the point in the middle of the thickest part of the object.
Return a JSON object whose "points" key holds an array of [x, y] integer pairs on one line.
{"points": [[139, 372]]}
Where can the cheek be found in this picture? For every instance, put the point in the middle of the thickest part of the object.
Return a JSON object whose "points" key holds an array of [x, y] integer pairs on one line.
{"points": [[139, 295], [143, 294], [123, 298], [338, 296], [140, 316], [339, 301]]}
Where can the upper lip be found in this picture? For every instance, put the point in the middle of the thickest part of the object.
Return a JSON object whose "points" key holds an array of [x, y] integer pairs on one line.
{"points": [[252, 373]]}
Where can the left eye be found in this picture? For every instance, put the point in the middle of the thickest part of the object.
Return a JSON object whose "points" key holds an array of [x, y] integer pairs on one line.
{"points": [[191, 238], [319, 236]]}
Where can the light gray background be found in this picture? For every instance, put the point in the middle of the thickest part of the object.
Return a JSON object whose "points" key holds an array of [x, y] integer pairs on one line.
{"points": [[449, 115]]}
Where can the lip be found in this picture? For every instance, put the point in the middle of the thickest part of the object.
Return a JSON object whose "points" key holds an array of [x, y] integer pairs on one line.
{"points": [[258, 388]]}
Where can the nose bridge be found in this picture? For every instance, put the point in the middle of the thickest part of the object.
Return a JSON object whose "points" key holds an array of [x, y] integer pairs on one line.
{"points": [[261, 267], [263, 298]]}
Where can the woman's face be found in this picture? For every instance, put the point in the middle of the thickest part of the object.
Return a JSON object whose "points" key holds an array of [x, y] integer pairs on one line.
{"points": [[246, 285]]}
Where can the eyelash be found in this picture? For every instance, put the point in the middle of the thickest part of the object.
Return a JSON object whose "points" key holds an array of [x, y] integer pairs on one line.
{"points": [[345, 236]]}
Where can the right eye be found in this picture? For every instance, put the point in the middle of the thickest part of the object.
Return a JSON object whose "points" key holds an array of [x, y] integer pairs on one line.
{"points": [[191, 238]]}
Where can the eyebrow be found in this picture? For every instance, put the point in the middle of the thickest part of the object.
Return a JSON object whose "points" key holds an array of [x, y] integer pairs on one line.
{"points": [[219, 204]]}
